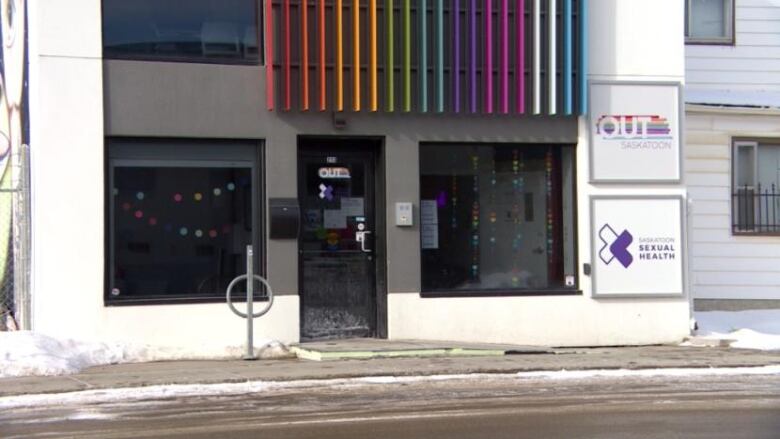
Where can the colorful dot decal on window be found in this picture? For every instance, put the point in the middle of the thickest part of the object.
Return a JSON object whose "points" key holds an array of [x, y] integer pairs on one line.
{"points": [[198, 196], [140, 195], [212, 233], [152, 221], [126, 206], [139, 214], [177, 198], [231, 186], [226, 229], [217, 191], [168, 227], [183, 231], [199, 233]]}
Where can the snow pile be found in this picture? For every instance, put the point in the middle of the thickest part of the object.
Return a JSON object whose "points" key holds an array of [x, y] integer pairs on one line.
{"points": [[27, 353], [754, 329]]}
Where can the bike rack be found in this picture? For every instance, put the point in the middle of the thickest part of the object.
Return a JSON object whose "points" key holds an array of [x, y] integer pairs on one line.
{"points": [[249, 315]]}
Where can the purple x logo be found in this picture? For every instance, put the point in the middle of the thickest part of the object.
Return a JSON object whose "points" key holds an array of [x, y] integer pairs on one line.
{"points": [[615, 246], [326, 192]]}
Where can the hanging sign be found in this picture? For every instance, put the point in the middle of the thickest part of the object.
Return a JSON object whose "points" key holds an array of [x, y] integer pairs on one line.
{"points": [[635, 132], [637, 246]]}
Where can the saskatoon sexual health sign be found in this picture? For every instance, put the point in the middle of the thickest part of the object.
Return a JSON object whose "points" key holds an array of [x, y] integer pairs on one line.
{"points": [[637, 246], [635, 132]]}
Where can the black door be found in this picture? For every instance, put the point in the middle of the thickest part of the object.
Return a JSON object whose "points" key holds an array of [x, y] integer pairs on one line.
{"points": [[336, 183]]}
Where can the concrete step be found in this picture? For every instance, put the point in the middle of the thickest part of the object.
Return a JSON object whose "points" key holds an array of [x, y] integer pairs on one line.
{"points": [[367, 348]]}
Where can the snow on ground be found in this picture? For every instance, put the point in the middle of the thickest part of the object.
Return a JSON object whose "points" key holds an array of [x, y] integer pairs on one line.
{"points": [[166, 392], [26, 353], [754, 329]]}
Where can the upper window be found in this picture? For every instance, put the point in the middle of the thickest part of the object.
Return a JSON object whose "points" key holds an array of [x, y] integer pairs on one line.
{"points": [[756, 188], [497, 218], [181, 214], [709, 21], [218, 31]]}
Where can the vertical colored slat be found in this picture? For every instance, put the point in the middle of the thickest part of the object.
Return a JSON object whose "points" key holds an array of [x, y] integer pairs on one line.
{"points": [[473, 56], [520, 67], [456, 56], [583, 76], [339, 57], [536, 69], [372, 65], [440, 56], [304, 55], [287, 60], [567, 58], [422, 70], [390, 62], [356, 55], [321, 63], [269, 55], [552, 67], [504, 56], [488, 71], [407, 73]]}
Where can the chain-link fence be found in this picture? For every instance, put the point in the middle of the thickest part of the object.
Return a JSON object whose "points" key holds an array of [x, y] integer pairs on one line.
{"points": [[15, 242]]}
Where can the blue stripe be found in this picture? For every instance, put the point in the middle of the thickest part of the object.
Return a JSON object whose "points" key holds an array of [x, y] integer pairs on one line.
{"points": [[583, 57], [567, 58]]}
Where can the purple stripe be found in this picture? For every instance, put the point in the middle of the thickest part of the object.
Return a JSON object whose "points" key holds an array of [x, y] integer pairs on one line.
{"points": [[473, 56], [520, 69], [456, 54], [488, 72], [504, 56]]}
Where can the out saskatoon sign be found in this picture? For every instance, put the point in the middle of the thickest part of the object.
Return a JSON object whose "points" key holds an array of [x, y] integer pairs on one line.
{"points": [[635, 132]]}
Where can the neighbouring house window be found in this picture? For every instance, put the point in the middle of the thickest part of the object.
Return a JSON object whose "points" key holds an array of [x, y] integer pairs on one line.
{"points": [[709, 21], [181, 214], [497, 218], [219, 31], [756, 187]]}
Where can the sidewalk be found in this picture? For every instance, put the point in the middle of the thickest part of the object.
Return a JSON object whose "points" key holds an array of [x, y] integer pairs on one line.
{"points": [[211, 372]]}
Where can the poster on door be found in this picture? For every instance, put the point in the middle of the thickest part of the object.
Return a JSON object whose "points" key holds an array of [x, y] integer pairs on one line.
{"points": [[635, 132], [637, 246]]}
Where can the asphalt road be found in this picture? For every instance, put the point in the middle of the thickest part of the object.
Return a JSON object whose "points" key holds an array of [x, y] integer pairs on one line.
{"points": [[729, 407]]}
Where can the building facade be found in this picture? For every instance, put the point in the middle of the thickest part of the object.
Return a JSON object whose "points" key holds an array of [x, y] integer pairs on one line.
{"points": [[412, 197], [733, 153]]}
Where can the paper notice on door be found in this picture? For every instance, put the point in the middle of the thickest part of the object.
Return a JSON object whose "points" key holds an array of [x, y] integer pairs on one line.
{"points": [[334, 219], [430, 236], [428, 212], [352, 206]]}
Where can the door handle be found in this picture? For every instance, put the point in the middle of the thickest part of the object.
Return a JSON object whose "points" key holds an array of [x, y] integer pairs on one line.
{"points": [[362, 237]]}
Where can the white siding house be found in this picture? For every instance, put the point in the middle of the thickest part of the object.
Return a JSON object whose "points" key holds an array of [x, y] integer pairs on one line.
{"points": [[733, 149]]}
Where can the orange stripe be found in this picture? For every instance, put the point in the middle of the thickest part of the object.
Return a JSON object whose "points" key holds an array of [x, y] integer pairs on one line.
{"points": [[356, 55], [372, 55], [305, 53]]}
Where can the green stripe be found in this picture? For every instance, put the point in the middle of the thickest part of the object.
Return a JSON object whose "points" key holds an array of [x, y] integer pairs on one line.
{"points": [[423, 70], [389, 66], [407, 18]]}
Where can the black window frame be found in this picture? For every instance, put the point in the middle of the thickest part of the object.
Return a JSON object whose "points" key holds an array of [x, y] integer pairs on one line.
{"points": [[259, 16], [566, 291], [730, 23], [749, 205], [258, 197]]}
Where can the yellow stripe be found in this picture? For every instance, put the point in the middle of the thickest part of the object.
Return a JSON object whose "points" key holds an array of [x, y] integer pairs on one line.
{"points": [[356, 54]]}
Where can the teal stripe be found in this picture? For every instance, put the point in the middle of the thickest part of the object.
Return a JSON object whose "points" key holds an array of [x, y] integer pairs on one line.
{"points": [[440, 56], [583, 78], [422, 71]]}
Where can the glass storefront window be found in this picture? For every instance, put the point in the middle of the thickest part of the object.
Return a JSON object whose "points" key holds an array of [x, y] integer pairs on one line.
{"points": [[221, 31], [497, 217], [178, 227]]}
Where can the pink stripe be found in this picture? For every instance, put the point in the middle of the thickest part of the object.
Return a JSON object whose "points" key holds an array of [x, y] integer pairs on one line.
{"points": [[488, 72], [505, 56], [520, 70]]}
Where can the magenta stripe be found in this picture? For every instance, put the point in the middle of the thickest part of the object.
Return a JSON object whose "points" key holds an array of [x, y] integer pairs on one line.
{"points": [[505, 56], [473, 56], [488, 56], [456, 55], [520, 69]]}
